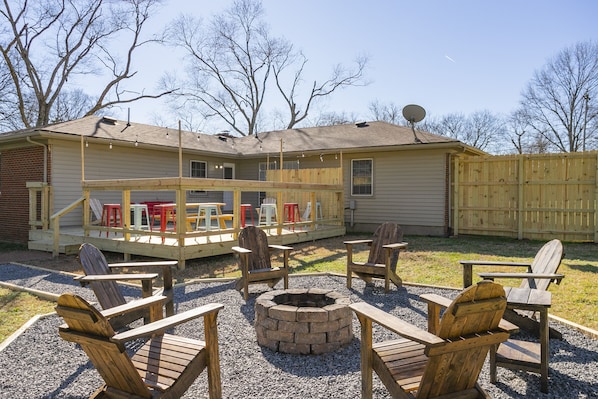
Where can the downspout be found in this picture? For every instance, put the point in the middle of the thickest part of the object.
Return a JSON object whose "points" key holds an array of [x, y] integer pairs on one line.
{"points": [[45, 157]]}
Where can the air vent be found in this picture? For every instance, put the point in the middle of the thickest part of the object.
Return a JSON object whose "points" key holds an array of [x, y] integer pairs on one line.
{"points": [[361, 124], [108, 120]]}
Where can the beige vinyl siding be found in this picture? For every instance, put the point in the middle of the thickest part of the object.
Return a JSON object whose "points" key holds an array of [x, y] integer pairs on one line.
{"points": [[409, 188], [101, 162]]}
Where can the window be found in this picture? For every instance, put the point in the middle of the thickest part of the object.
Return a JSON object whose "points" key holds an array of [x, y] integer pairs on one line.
{"points": [[199, 169], [362, 177]]}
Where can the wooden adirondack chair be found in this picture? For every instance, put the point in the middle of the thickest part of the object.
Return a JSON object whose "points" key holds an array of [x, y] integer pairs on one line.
{"points": [[103, 282], [254, 260], [164, 367], [385, 246], [540, 273], [447, 359]]}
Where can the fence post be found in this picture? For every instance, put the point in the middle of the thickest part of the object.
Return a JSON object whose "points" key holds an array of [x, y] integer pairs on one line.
{"points": [[520, 199], [456, 197], [596, 202]]}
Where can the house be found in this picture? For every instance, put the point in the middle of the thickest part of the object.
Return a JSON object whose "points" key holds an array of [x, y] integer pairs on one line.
{"points": [[390, 172]]}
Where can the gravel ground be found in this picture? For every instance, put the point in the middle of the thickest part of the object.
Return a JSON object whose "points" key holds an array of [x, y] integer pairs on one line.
{"points": [[39, 364]]}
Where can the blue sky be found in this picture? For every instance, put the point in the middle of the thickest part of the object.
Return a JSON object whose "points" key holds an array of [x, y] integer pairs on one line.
{"points": [[457, 56]]}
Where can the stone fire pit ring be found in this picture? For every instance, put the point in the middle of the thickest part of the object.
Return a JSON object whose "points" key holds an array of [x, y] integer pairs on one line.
{"points": [[303, 321]]}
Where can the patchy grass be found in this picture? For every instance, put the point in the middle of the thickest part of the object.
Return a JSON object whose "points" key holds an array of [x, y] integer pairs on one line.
{"points": [[16, 308]]}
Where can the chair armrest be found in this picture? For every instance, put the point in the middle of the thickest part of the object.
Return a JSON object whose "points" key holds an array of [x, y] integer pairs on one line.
{"points": [[160, 326], [396, 245], [84, 280], [551, 276], [440, 302], [353, 242], [468, 265], [144, 264], [493, 263], [437, 300], [281, 247], [241, 250], [134, 305], [395, 324]]}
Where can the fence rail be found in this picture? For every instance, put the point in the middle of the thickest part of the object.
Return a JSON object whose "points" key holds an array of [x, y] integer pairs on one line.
{"points": [[527, 196]]}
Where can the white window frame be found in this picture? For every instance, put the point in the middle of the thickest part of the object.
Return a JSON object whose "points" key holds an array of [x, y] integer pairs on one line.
{"points": [[205, 168], [353, 177]]}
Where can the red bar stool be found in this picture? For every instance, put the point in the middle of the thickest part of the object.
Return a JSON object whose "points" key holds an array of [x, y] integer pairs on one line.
{"points": [[112, 216], [244, 209], [291, 213]]}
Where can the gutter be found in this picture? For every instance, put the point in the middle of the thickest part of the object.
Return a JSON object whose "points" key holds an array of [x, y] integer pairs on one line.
{"points": [[45, 157]]}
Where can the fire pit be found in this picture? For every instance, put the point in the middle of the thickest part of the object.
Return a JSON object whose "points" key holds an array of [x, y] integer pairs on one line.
{"points": [[303, 321]]}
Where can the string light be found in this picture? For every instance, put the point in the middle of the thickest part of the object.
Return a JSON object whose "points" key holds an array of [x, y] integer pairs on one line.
{"points": [[86, 143], [321, 157], [110, 145]]}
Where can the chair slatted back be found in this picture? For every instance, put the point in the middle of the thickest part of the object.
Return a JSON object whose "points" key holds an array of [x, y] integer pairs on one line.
{"points": [[94, 262], [470, 327], [86, 326], [386, 233], [256, 240], [547, 261]]}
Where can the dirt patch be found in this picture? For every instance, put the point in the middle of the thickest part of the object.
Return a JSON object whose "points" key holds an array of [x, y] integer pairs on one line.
{"points": [[67, 263]]}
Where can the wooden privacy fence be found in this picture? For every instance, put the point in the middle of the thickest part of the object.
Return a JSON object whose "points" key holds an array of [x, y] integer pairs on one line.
{"points": [[539, 196]]}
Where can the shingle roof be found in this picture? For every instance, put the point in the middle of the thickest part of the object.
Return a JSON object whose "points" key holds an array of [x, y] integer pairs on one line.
{"points": [[348, 137]]}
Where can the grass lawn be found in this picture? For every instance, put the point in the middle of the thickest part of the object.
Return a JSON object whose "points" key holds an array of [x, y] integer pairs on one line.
{"points": [[435, 261], [16, 308]]}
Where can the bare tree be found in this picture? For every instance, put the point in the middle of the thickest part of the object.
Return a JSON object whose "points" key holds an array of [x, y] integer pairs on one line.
{"points": [[231, 62], [341, 77], [334, 118], [481, 129], [389, 112], [559, 101], [44, 44]]}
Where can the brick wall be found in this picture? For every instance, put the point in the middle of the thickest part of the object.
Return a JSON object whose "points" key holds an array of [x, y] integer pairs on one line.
{"points": [[17, 167]]}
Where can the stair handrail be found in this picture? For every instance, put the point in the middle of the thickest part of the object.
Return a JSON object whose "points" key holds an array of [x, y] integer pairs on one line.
{"points": [[55, 221]]}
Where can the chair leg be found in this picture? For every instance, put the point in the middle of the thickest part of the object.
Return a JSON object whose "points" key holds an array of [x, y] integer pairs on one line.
{"points": [[492, 362]]}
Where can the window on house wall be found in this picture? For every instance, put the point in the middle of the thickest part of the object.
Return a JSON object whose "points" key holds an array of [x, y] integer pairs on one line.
{"points": [[199, 169], [362, 177]]}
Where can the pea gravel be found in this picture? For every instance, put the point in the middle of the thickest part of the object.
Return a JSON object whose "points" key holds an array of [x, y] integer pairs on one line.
{"points": [[39, 364]]}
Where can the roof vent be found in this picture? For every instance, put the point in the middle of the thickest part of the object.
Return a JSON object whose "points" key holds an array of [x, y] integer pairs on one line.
{"points": [[361, 124], [108, 120]]}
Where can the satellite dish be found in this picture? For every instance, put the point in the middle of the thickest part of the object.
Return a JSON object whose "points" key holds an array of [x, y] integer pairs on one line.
{"points": [[414, 113]]}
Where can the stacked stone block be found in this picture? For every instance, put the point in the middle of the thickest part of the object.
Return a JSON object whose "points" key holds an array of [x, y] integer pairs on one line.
{"points": [[303, 321]]}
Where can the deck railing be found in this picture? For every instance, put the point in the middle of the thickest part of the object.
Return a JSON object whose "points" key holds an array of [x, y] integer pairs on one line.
{"points": [[333, 193]]}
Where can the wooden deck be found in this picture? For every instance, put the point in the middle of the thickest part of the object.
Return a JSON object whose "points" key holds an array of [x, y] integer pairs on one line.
{"points": [[49, 233], [151, 245]]}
